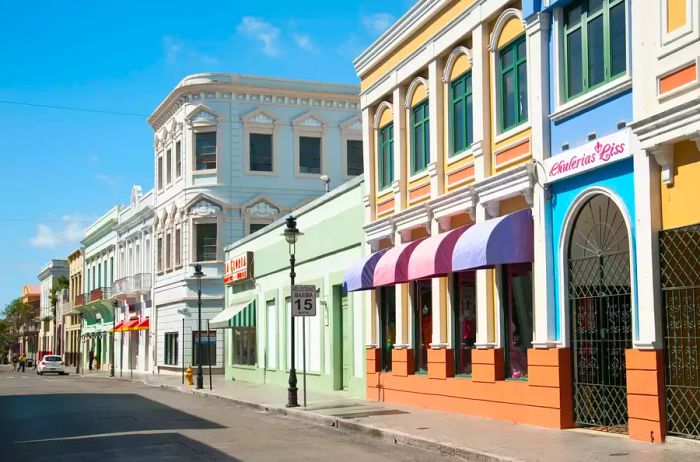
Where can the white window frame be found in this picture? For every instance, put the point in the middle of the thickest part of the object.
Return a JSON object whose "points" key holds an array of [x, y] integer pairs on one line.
{"points": [[304, 126], [260, 122], [178, 157], [350, 131], [193, 233]]}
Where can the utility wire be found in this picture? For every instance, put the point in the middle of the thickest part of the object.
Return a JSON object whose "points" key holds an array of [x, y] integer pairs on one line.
{"points": [[69, 108], [57, 220]]}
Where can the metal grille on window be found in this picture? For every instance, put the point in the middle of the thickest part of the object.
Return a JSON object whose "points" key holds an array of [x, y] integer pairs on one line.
{"points": [[600, 301], [679, 251]]}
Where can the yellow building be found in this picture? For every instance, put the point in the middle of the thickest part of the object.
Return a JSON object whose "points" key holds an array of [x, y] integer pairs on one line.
{"points": [[71, 320], [453, 126]]}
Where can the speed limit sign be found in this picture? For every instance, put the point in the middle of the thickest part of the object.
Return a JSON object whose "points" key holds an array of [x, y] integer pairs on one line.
{"points": [[303, 300]]}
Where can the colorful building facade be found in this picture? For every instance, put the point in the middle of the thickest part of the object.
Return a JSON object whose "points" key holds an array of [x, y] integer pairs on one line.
{"points": [[71, 319], [48, 281], [29, 333], [257, 319], [95, 305], [518, 197]]}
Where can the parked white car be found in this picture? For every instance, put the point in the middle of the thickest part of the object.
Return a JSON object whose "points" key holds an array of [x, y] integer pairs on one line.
{"points": [[51, 363]]}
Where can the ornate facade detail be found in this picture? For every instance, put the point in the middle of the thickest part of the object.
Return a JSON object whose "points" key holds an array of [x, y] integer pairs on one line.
{"points": [[262, 210], [203, 117], [310, 122], [262, 118], [204, 208]]}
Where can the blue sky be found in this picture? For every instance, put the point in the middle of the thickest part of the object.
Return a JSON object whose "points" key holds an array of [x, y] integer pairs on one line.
{"points": [[61, 169]]}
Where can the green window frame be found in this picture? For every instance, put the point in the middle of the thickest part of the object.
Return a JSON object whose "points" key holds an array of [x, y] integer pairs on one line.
{"points": [[461, 113], [385, 164], [512, 70], [594, 40], [420, 137]]}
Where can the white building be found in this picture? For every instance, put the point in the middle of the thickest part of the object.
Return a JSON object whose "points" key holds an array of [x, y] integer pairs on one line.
{"points": [[131, 288], [47, 281], [232, 154]]}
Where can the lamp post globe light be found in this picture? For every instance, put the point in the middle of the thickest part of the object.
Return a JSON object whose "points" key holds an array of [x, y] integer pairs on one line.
{"points": [[198, 274], [291, 235]]}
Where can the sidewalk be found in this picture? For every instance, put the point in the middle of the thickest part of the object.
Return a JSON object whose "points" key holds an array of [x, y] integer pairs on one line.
{"points": [[471, 438]]}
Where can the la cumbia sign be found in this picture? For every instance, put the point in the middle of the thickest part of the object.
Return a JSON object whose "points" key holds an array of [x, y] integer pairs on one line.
{"points": [[238, 268], [594, 154]]}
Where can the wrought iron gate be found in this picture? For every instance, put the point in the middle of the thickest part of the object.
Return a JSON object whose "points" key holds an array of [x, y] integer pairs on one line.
{"points": [[679, 251], [599, 297]]}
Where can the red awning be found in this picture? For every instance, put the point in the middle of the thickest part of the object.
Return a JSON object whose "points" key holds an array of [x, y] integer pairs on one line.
{"points": [[118, 327], [130, 325], [143, 325]]}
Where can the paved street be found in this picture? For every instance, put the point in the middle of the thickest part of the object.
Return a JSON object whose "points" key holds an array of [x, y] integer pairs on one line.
{"points": [[69, 418]]}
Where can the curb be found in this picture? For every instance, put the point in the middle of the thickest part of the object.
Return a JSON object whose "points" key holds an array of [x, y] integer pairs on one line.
{"points": [[382, 434]]}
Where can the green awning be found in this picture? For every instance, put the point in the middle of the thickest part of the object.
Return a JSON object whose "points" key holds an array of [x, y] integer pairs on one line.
{"points": [[245, 318], [237, 315]]}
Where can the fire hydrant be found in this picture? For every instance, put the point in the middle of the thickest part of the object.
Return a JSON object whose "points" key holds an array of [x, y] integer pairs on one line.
{"points": [[188, 375]]}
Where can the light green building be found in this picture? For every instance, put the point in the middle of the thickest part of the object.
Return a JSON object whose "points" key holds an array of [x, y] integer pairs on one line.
{"points": [[257, 318]]}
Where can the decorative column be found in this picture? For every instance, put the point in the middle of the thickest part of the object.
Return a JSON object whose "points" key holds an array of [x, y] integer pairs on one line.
{"points": [[644, 362], [440, 356], [400, 157], [537, 29], [436, 100], [403, 354]]}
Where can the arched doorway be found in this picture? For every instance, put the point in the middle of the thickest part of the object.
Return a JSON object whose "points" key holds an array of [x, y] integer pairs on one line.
{"points": [[601, 319]]}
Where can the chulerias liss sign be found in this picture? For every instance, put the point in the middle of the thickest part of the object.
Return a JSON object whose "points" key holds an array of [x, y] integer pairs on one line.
{"points": [[238, 268], [594, 154]]}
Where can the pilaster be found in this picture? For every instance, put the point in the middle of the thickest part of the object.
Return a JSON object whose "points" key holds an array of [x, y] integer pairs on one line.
{"points": [[648, 324], [537, 29], [400, 158], [481, 91], [436, 127], [368, 158]]}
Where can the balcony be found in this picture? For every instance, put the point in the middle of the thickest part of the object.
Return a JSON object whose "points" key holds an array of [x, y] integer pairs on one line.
{"points": [[96, 295], [142, 283], [80, 300], [123, 288]]}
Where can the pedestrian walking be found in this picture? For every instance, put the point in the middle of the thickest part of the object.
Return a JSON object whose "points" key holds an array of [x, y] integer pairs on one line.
{"points": [[22, 361], [15, 360], [91, 358]]}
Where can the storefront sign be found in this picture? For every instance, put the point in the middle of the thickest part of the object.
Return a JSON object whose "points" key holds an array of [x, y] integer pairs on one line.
{"points": [[594, 154], [239, 268]]}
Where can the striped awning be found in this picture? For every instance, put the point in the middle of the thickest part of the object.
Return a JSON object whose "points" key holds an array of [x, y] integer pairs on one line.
{"points": [[237, 315]]}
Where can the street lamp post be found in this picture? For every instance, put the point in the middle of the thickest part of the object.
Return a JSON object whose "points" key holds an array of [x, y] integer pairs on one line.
{"points": [[291, 234], [111, 356], [198, 274]]}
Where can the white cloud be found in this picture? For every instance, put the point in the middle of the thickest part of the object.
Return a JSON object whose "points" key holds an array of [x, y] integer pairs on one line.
{"points": [[172, 49], [69, 230], [93, 159], [378, 22], [262, 31], [303, 41], [109, 180]]}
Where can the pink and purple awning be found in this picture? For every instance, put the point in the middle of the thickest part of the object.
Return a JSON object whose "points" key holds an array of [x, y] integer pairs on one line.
{"points": [[433, 256], [360, 275], [499, 241]]}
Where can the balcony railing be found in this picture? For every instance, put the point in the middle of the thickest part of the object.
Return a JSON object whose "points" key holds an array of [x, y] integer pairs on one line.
{"points": [[121, 288], [99, 294], [142, 282], [80, 300]]}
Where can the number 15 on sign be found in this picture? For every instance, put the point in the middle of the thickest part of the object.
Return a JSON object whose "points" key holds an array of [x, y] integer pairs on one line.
{"points": [[303, 300]]}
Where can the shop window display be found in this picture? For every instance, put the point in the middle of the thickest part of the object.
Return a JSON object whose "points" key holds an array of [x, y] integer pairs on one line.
{"points": [[464, 321], [517, 309], [422, 322]]}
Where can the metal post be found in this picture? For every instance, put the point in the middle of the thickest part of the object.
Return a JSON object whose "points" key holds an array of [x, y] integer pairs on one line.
{"points": [[303, 353], [200, 378], [292, 397], [80, 345], [121, 354], [111, 353], [209, 355], [183, 350]]}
